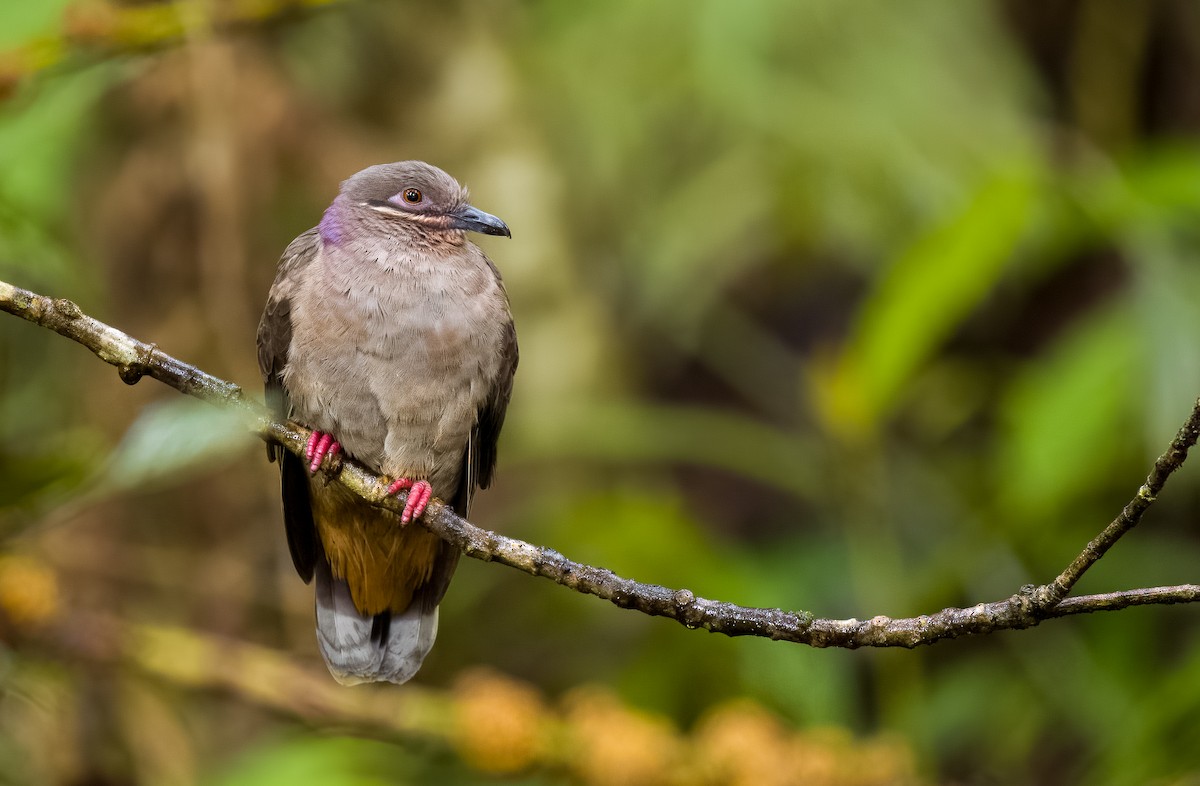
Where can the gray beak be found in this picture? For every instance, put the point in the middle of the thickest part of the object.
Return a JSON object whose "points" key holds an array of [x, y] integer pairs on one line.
{"points": [[474, 220]]}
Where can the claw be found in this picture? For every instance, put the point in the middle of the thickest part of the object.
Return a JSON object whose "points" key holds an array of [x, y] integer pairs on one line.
{"points": [[420, 492], [312, 445], [320, 446]]}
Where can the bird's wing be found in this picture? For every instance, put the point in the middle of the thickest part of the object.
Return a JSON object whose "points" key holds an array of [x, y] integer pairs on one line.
{"points": [[274, 338], [491, 415], [479, 460]]}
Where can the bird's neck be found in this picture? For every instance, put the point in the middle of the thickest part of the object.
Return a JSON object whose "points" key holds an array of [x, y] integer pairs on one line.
{"points": [[333, 227]]}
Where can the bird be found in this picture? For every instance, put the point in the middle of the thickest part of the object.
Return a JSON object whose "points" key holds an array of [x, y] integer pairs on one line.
{"points": [[389, 335]]}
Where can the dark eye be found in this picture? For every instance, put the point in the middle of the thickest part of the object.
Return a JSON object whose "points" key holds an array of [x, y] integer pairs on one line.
{"points": [[412, 196]]}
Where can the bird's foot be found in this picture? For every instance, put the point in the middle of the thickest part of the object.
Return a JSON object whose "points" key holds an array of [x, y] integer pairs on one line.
{"points": [[419, 494], [320, 446]]}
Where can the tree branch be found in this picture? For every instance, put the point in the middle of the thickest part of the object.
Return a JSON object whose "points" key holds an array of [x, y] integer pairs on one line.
{"points": [[1028, 607], [1130, 515]]}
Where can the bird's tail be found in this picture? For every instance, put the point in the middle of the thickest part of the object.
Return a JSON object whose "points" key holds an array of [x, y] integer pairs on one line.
{"points": [[364, 648]]}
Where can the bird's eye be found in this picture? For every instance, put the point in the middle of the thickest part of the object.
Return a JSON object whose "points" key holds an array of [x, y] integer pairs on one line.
{"points": [[412, 196]]}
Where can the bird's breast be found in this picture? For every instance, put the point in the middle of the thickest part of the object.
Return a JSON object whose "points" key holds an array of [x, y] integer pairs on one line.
{"points": [[395, 362]]}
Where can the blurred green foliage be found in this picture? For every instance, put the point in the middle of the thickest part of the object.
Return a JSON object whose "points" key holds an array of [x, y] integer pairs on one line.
{"points": [[859, 308]]}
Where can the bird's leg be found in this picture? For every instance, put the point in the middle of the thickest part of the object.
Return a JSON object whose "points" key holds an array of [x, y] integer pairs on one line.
{"points": [[320, 446], [419, 494]]}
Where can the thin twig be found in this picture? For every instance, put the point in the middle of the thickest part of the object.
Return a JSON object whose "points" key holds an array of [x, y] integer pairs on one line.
{"points": [[1026, 608], [1112, 601], [1130, 515]]}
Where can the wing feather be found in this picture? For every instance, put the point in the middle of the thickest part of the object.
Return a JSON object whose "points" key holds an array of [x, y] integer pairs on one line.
{"points": [[274, 338]]}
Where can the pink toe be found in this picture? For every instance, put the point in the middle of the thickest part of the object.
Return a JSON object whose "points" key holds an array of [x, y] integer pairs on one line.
{"points": [[399, 485], [319, 446], [419, 494], [418, 499]]}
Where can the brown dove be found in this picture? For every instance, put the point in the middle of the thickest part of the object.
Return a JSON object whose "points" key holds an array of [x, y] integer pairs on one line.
{"points": [[389, 334]]}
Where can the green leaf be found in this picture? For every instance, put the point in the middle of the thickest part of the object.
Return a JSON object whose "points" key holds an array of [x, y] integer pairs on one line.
{"points": [[1065, 418], [927, 292], [171, 438], [22, 21], [38, 141]]}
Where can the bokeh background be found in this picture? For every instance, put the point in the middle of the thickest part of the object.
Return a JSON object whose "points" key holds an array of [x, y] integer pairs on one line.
{"points": [[853, 307]]}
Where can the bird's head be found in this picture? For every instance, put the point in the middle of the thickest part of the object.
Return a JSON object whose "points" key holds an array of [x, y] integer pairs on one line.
{"points": [[420, 196]]}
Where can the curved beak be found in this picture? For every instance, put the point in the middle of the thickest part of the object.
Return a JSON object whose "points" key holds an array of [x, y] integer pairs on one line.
{"points": [[474, 220]]}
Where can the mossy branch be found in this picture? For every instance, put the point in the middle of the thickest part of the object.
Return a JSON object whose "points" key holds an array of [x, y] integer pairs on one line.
{"points": [[1028, 607]]}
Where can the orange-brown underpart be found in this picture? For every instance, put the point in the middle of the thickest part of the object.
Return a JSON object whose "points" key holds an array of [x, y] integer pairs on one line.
{"points": [[382, 561]]}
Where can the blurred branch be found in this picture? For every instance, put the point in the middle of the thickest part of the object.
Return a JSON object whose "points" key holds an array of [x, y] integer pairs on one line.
{"points": [[264, 676], [496, 724], [1028, 607], [97, 28]]}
